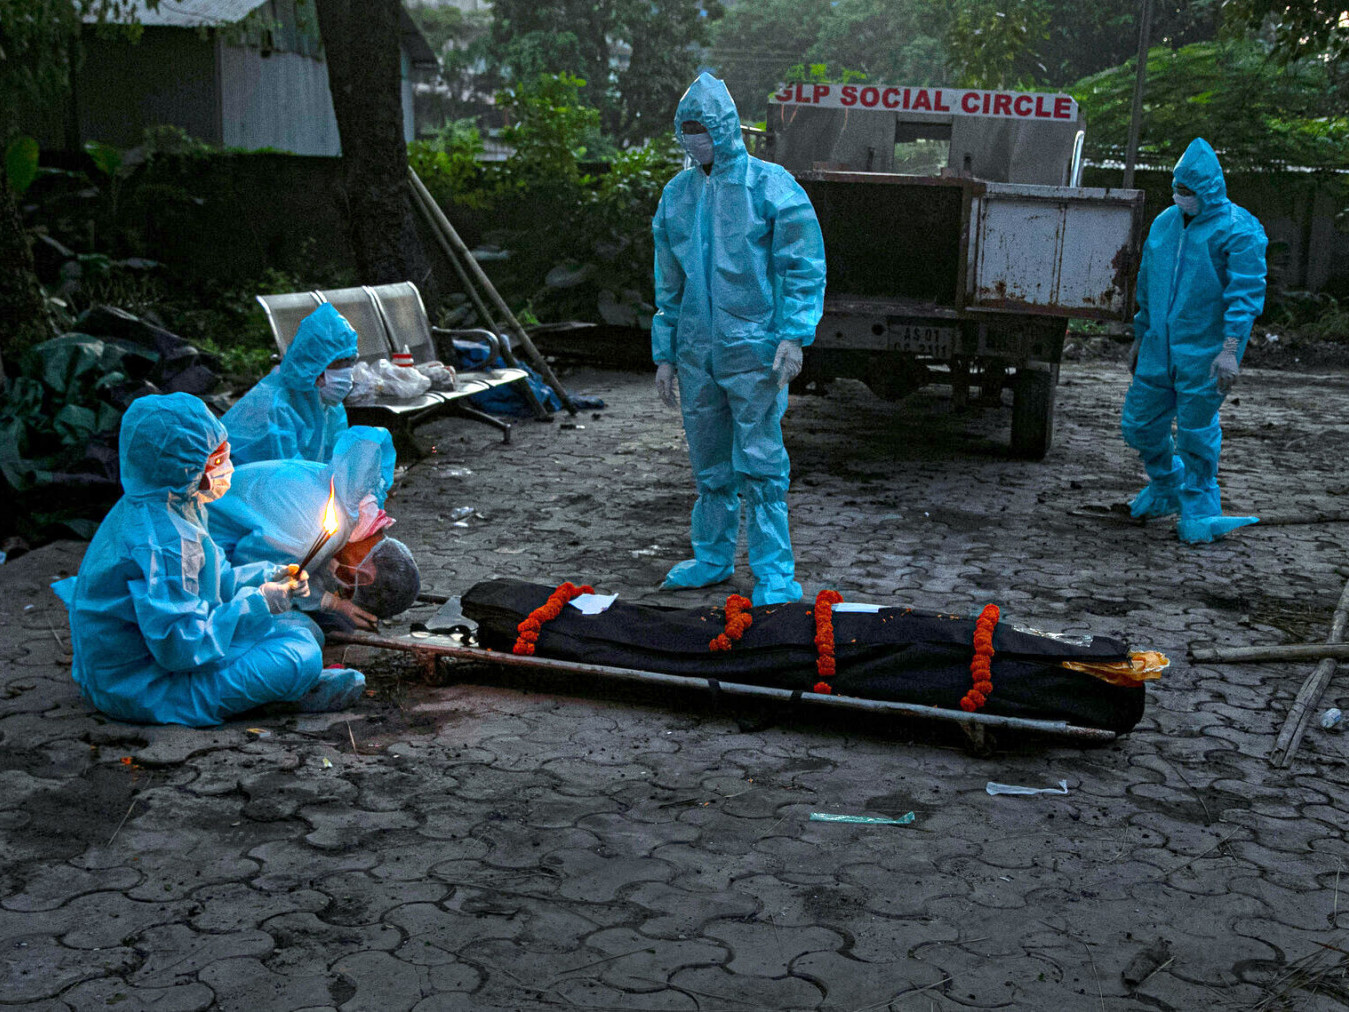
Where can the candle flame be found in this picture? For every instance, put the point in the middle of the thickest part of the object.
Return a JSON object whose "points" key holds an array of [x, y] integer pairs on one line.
{"points": [[330, 513]]}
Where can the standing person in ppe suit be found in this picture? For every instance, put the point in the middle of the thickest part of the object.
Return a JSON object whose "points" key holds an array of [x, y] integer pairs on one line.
{"points": [[274, 510], [163, 629], [1200, 287], [295, 411], [739, 290]]}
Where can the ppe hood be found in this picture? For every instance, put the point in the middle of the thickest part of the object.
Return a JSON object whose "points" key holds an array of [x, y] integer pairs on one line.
{"points": [[708, 102], [324, 337], [1198, 169], [165, 440]]}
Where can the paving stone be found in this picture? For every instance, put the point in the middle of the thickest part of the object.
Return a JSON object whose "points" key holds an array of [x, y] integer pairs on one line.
{"points": [[37, 967], [503, 834]]}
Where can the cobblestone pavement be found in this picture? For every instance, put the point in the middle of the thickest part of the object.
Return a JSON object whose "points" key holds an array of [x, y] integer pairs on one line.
{"points": [[497, 843]]}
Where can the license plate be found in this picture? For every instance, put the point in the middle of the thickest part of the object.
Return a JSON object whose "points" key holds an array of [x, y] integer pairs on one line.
{"points": [[919, 339]]}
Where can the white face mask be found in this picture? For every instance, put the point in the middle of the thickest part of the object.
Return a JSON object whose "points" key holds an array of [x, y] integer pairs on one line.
{"points": [[336, 385], [219, 482], [699, 147], [1188, 205]]}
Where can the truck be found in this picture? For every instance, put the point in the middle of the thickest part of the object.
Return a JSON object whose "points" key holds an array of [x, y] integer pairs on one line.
{"points": [[958, 237]]}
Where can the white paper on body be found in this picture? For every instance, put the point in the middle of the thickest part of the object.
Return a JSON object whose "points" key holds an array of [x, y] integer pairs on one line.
{"points": [[593, 604], [858, 606]]}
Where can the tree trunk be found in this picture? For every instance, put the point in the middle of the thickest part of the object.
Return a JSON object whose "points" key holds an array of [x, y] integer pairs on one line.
{"points": [[23, 310], [360, 41]]}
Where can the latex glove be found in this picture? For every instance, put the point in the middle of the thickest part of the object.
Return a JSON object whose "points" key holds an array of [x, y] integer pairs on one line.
{"points": [[665, 384], [297, 581], [1133, 357], [277, 595], [358, 617], [787, 362], [1224, 367]]}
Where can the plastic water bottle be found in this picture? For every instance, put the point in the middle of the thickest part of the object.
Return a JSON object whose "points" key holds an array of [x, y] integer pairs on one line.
{"points": [[1330, 720]]}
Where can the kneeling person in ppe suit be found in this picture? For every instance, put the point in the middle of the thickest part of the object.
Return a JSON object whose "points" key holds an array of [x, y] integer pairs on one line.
{"points": [[164, 630], [295, 411], [274, 510], [739, 291], [1200, 287]]}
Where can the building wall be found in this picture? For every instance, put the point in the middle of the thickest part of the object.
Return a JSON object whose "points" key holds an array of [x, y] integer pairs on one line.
{"points": [[279, 101], [168, 77]]}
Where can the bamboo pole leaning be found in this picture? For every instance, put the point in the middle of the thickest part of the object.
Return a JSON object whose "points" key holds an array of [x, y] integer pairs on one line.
{"points": [[480, 276], [423, 202], [1300, 713]]}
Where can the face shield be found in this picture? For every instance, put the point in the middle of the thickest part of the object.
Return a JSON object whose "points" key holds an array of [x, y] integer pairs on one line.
{"points": [[216, 480], [386, 582]]}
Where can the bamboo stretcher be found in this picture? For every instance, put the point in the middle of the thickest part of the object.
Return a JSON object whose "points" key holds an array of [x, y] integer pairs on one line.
{"points": [[431, 648]]}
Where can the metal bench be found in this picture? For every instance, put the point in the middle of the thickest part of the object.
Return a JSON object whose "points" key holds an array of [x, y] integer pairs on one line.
{"points": [[387, 319]]}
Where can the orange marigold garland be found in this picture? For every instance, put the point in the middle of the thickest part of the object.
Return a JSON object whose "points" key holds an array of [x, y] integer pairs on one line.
{"points": [[530, 628], [824, 637], [981, 667], [738, 619]]}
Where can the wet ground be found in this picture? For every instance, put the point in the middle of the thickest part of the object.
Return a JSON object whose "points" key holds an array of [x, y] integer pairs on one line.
{"points": [[481, 840]]}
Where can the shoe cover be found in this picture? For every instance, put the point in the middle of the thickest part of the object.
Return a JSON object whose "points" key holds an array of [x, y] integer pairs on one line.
{"points": [[336, 689], [775, 590], [1155, 501], [693, 573], [1201, 530]]}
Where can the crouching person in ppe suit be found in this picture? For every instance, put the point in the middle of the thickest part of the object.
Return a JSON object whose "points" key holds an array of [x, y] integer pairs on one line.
{"points": [[274, 511], [295, 411], [740, 278], [164, 630], [1200, 287]]}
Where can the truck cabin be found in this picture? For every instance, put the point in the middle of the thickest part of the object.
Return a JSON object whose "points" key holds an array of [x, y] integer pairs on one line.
{"points": [[995, 136]]}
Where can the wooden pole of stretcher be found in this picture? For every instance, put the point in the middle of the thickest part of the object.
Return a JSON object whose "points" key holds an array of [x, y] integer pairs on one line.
{"points": [[1300, 713], [480, 276]]}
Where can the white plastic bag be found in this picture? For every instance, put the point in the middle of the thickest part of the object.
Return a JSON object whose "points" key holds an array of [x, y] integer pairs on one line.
{"points": [[442, 377], [365, 385], [401, 382]]}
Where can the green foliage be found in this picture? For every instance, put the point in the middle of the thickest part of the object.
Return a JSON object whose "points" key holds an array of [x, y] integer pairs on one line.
{"points": [[1257, 113], [637, 56], [571, 244], [993, 44], [819, 73], [888, 41], [448, 164], [39, 43], [1299, 28], [21, 162], [551, 130]]}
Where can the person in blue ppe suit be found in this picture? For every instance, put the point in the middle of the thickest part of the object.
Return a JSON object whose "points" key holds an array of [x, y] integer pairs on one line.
{"points": [[163, 629], [275, 509], [739, 290], [1200, 287], [296, 411]]}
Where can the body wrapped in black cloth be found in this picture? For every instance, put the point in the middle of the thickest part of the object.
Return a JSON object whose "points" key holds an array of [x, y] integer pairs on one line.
{"points": [[899, 654]]}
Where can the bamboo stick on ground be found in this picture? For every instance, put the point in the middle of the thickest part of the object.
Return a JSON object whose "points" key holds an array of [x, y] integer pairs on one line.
{"points": [[475, 269], [1300, 713], [1279, 652]]}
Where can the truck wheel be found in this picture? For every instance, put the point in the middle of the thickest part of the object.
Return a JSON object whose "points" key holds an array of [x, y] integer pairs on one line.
{"points": [[1033, 411]]}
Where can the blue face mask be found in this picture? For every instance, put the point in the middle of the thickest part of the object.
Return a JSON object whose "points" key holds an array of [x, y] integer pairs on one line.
{"points": [[336, 385], [699, 147]]}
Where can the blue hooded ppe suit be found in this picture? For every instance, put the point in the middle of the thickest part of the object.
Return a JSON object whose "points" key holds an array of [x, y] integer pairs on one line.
{"points": [[1200, 284], [274, 508], [164, 630], [283, 417], [739, 267]]}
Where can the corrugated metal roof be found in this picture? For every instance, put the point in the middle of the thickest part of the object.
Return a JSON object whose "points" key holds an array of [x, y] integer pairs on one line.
{"points": [[192, 13]]}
